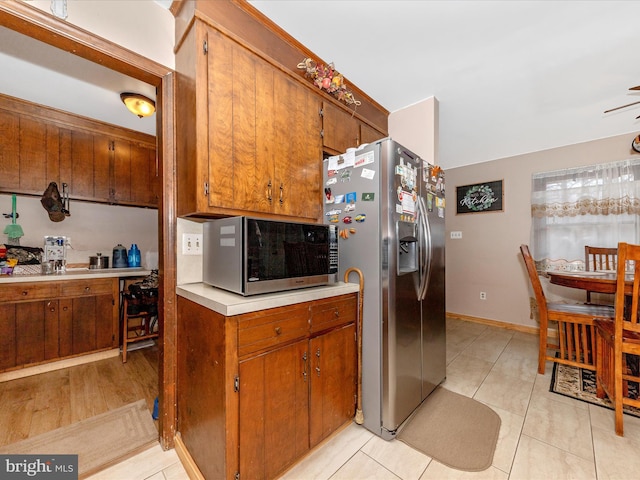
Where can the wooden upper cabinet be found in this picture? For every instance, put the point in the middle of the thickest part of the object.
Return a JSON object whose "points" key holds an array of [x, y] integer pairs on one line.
{"points": [[369, 134], [99, 162], [259, 150], [298, 169], [9, 149], [340, 129], [145, 185]]}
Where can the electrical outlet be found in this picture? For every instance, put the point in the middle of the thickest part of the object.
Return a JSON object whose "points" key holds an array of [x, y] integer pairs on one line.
{"points": [[192, 244], [483, 295], [456, 235]]}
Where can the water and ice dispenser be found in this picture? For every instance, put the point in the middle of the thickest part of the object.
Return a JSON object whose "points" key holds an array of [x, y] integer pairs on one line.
{"points": [[407, 238]]}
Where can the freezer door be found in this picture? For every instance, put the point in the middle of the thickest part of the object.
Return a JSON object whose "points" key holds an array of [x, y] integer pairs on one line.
{"points": [[402, 346]]}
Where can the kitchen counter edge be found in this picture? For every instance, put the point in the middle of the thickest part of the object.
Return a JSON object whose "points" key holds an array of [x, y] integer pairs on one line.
{"points": [[229, 304], [76, 275]]}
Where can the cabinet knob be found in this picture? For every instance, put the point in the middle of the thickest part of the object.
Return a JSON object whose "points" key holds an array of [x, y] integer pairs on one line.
{"points": [[25, 293], [278, 330], [87, 289], [336, 313]]}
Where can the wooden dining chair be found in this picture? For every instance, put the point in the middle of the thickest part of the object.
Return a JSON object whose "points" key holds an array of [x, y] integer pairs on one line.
{"points": [[573, 324], [619, 339], [599, 258]]}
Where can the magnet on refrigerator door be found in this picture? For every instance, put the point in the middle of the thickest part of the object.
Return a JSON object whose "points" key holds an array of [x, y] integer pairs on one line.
{"points": [[368, 196]]}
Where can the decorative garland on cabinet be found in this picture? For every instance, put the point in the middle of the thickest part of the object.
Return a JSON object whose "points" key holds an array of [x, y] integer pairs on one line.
{"points": [[327, 78]]}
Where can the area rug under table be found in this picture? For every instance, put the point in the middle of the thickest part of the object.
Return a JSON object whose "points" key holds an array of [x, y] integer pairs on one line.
{"points": [[99, 441], [580, 383], [455, 430]]}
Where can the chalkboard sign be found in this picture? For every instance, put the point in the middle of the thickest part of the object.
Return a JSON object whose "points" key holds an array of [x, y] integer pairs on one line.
{"points": [[480, 197]]}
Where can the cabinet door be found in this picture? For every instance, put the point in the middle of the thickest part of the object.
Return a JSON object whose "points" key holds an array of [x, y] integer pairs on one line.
{"points": [[274, 409], [76, 162], [341, 130], [65, 327], [7, 335], [298, 162], [105, 334], [91, 325], [30, 332], [333, 381], [369, 134], [220, 119], [9, 150], [51, 330], [232, 123], [33, 155], [101, 187], [121, 171], [144, 175]]}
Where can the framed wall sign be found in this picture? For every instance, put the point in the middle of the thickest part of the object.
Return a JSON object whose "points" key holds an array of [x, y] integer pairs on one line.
{"points": [[480, 197]]}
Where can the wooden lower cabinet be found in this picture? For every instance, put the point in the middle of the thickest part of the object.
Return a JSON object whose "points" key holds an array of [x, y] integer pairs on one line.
{"points": [[332, 366], [257, 391], [274, 410], [46, 321]]}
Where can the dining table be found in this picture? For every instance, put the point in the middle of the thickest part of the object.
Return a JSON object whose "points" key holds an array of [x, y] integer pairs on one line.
{"points": [[601, 281]]}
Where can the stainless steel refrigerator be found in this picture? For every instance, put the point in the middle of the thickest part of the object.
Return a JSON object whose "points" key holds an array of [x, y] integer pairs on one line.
{"points": [[388, 205]]}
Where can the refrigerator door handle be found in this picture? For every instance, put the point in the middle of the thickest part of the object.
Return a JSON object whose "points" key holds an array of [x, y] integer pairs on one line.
{"points": [[425, 246]]}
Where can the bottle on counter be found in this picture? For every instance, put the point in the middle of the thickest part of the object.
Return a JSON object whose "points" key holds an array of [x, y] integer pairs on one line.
{"points": [[120, 257], [134, 256]]}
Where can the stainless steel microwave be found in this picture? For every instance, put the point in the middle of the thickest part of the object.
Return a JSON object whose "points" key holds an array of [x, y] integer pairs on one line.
{"points": [[248, 255]]}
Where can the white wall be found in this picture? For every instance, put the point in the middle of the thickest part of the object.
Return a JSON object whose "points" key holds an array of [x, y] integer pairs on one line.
{"points": [[189, 267], [93, 228], [142, 26], [487, 258], [416, 127]]}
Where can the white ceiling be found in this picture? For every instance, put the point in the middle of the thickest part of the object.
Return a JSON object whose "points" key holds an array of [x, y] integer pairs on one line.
{"points": [[511, 77]]}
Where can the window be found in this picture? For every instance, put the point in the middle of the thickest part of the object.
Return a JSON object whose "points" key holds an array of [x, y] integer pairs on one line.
{"points": [[594, 205]]}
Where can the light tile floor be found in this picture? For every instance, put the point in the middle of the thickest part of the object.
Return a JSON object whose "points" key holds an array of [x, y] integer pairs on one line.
{"points": [[543, 435]]}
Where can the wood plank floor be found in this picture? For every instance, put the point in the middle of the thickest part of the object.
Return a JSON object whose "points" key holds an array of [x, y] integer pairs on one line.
{"points": [[37, 404]]}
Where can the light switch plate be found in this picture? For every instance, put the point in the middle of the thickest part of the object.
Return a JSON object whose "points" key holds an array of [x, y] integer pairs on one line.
{"points": [[192, 244], [456, 235]]}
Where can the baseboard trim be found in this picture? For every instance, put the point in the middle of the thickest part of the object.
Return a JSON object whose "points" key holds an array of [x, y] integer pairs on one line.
{"points": [[186, 459], [58, 365], [495, 323]]}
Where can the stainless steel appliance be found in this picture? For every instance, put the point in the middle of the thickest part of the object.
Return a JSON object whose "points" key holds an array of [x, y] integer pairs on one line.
{"points": [[55, 253], [388, 205], [248, 255]]}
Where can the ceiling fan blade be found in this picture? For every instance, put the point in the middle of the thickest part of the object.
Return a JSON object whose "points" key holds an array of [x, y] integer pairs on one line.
{"points": [[635, 88], [622, 106]]}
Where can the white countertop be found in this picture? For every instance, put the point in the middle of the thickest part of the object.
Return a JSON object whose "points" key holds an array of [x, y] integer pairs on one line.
{"points": [[228, 304], [77, 274]]}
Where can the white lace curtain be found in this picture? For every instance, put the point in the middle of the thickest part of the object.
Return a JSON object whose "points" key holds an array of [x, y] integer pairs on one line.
{"points": [[596, 205]]}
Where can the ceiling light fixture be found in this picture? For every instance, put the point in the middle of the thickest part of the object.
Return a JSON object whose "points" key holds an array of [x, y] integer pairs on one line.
{"points": [[138, 104]]}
